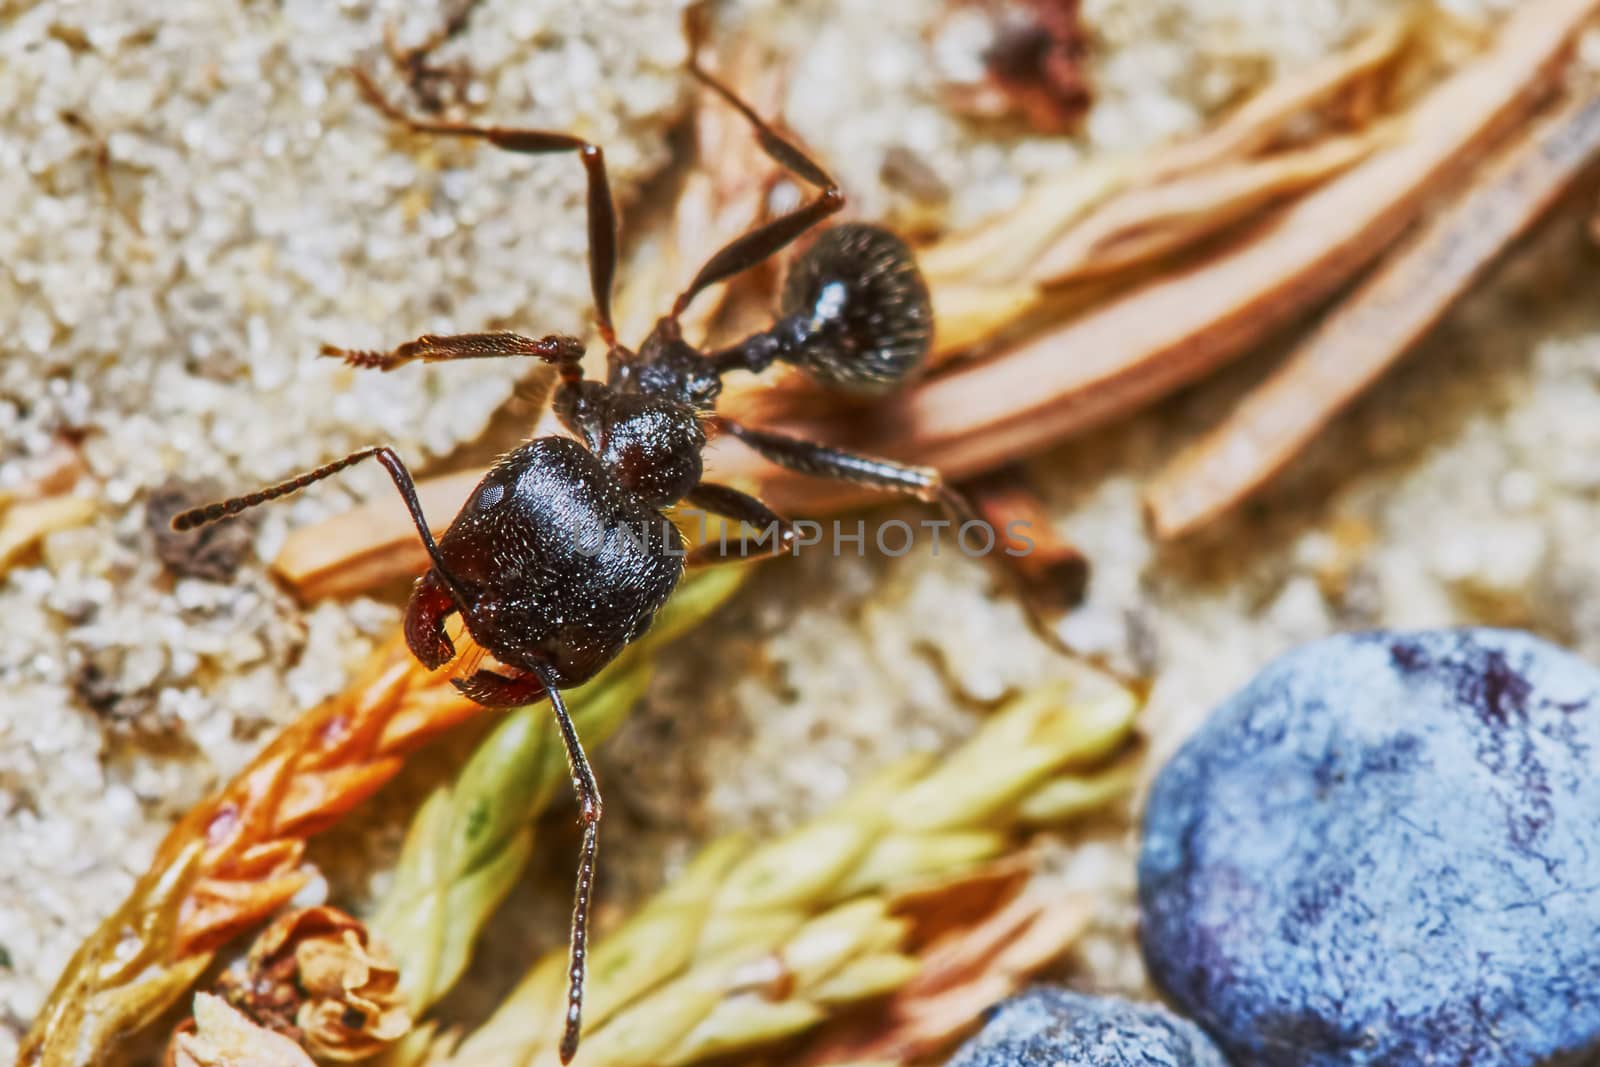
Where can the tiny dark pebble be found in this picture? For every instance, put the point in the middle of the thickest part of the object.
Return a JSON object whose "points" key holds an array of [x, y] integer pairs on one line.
{"points": [[1048, 1027], [211, 552], [1386, 850]]}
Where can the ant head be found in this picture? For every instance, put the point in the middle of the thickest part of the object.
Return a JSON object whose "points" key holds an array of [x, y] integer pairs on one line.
{"points": [[861, 310], [652, 444]]}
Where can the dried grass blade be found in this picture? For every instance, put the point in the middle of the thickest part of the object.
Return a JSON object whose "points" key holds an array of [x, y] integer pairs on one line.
{"points": [[999, 251], [1263, 118], [1377, 324], [1151, 221]]}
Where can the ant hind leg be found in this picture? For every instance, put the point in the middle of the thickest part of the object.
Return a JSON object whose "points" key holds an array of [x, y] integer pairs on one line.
{"points": [[924, 483], [777, 536], [496, 690]]}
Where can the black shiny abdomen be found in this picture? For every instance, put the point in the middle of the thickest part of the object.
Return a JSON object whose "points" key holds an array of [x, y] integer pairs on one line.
{"points": [[572, 566], [861, 307]]}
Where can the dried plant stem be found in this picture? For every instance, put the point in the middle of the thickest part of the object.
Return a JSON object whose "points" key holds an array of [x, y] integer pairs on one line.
{"points": [[1263, 118], [752, 945], [1001, 251], [236, 857], [1151, 221], [1371, 330]]}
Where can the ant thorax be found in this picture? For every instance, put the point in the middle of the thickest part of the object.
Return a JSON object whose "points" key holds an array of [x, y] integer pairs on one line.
{"points": [[667, 365]]}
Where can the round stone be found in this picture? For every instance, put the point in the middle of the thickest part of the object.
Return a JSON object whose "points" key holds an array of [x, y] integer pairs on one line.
{"points": [[1386, 850], [1047, 1027]]}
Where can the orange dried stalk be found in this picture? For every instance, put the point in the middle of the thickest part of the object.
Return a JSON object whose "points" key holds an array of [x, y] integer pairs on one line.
{"points": [[1377, 324], [236, 857]]}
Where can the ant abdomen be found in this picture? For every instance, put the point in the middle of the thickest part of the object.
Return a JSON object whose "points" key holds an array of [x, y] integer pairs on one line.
{"points": [[859, 310]]}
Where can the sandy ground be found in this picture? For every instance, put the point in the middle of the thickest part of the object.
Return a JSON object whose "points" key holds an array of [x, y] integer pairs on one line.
{"points": [[219, 203]]}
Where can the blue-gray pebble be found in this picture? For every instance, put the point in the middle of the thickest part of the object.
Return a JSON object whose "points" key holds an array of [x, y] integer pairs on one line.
{"points": [[1048, 1027], [1386, 850]]}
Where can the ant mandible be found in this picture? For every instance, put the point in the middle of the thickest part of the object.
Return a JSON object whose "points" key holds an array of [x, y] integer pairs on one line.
{"points": [[553, 610]]}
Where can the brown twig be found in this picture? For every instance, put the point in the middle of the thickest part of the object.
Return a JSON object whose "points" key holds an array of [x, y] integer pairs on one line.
{"points": [[1382, 320], [1056, 572], [1036, 67]]}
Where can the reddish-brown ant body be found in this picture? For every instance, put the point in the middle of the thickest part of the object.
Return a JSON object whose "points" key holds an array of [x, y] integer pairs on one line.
{"points": [[552, 609]]}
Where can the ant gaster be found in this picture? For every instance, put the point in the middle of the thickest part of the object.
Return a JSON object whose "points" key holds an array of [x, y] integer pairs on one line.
{"points": [[552, 610]]}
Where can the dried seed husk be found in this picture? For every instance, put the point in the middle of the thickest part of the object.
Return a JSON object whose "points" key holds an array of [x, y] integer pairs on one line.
{"points": [[223, 1037]]}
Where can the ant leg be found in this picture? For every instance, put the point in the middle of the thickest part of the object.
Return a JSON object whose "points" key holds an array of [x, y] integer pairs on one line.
{"points": [[496, 690], [924, 483], [777, 535], [589, 810], [746, 251], [209, 513], [602, 211], [565, 352]]}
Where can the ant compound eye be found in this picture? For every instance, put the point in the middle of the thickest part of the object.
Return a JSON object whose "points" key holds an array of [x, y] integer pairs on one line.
{"points": [[864, 315], [490, 495]]}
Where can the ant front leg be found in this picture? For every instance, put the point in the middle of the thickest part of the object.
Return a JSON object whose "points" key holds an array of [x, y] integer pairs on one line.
{"points": [[767, 240], [602, 210], [743, 508]]}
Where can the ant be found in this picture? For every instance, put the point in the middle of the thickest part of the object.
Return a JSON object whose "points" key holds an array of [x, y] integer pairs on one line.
{"points": [[553, 611]]}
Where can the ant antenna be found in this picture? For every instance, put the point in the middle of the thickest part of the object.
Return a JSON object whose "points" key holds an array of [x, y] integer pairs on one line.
{"points": [[209, 513]]}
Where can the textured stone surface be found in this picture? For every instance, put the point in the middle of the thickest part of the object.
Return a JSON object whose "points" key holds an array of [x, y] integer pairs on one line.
{"points": [[1385, 850], [1048, 1027]]}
